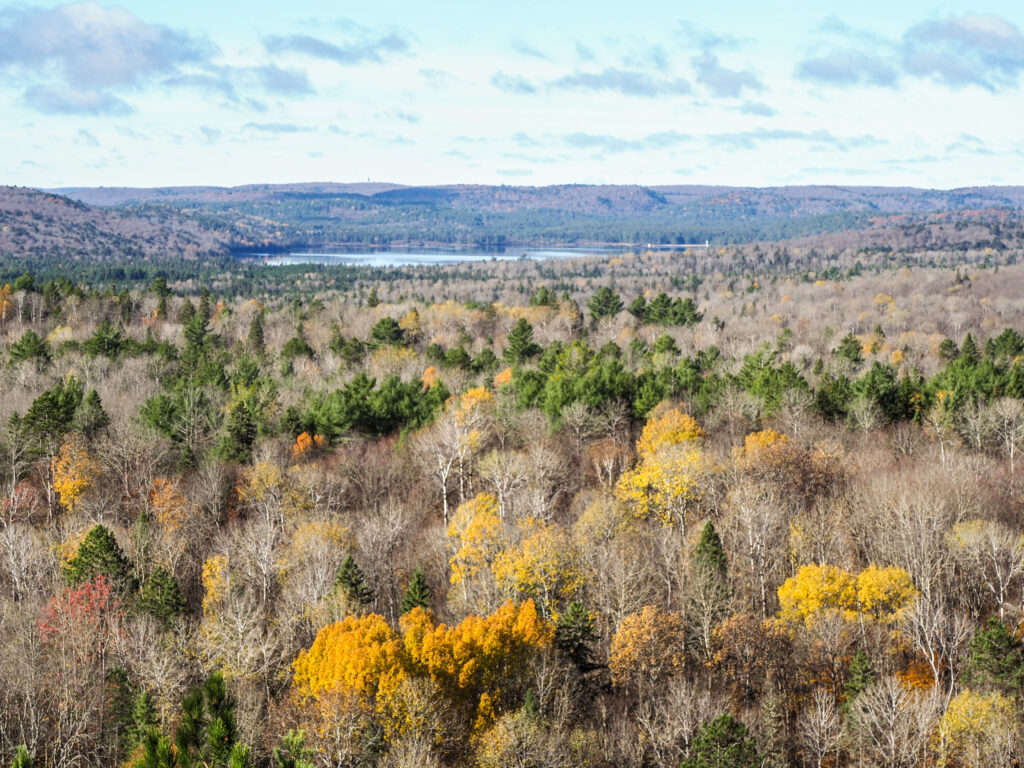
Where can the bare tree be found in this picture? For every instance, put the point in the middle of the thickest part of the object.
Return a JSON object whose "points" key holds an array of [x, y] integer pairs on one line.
{"points": [[820, 730]]}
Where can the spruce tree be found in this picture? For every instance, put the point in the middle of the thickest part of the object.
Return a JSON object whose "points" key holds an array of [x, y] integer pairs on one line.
{"points": [[293, 752], [100, 555], [860, 677], [161, 597], [709, 555], [90, 417], [574, 634], [604, 303], [417, 594], [144, 718], [352, 584], [256, 341], [772, 730], [237, 444], [187, 311], [205, 308]]}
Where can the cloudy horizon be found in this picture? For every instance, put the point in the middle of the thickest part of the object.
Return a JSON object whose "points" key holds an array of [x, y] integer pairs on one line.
{"points": [[139, 94]]}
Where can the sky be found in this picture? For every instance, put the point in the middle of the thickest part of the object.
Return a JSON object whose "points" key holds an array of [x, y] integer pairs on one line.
{"points": [[219, 92]]}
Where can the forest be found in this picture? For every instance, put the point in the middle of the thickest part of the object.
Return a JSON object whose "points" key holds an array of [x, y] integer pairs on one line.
{"points": [[754, 505]]}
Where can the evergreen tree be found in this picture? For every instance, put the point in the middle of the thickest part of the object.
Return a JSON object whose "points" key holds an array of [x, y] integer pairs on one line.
{"points": [[144, 717], [100, 555], [161, 290], [372, 300], [709, 555], [849, 349], [22, 758], [722, 743], [187, 311], [417, 594], [859, 679], [237, 444], [90, 417], [31, 347], [997, 658], [519, 346], [604, 303], [205, 308], [255, 341], [574, 634], [386, 331], [161, 597], [206, 736], [352, 584], [293, 752], [969, 350]]}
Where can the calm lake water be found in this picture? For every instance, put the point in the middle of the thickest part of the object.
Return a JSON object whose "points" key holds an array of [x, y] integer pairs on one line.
{"points": [[407, 257]]}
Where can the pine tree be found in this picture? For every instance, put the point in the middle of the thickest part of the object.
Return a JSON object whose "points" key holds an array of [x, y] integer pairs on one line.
{"points": [[256, 341], [187, 311], [241, 435], [372, 300], [352, 584], [22, 758], [604, 303], [293, 752], [205, 309], [519, 346], [722, 743], [144, 717], [574, 634], [417, 594], [997, 658], [161, 597], [90, 417], [859, 679], [100, 555]]}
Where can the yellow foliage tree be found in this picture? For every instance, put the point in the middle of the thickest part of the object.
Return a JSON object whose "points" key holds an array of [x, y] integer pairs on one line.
{"points": [[359, 653], [647, 647], [74, 471], [167, 504], [544, 566], [876, 594], [664, 485], [216, 583], [978, 729], [477, 533], [667, 427]]}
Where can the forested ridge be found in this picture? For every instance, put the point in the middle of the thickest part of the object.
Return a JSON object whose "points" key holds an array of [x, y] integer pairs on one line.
{"points": [[749, 506]]}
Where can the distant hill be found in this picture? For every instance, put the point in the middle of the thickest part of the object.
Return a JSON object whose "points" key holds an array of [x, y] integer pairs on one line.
{"points": [[34, 223], [189, 222]]}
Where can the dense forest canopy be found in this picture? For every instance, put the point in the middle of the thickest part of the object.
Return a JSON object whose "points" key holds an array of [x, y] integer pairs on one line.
{"points": [[750, 505]]}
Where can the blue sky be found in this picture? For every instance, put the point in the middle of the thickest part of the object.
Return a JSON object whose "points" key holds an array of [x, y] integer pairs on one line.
{"points": [[153, 93]]}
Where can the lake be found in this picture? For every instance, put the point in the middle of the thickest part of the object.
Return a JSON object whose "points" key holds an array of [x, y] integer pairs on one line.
{"points": [[425, 257]]}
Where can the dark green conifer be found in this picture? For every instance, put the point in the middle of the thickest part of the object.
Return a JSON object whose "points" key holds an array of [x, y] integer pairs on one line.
{"points": [[352, 584], [161, 597], [100, 555], [574, 634], [418, 593]]}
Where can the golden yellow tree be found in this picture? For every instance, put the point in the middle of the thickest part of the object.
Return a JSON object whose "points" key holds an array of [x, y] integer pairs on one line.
{"points": [[543, 566], [875, 594], [74, 471], [978, 729]]}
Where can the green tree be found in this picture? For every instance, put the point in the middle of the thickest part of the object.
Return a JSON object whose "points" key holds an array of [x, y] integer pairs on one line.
{"points": [[144, 717], [31, 347], [574, 634], [255, 339], [858, 680], [709, 554], [241, 434], [604, 303], [519, 347], [206, 736], [849, 349], [722, 743], [100, 555], [418, 593], [293, 752], [161, 597], [386, 331], [22, 758], [90, 417], [352, 584], [205, 308], [186, 312], [997, 658], [159, 287]]}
